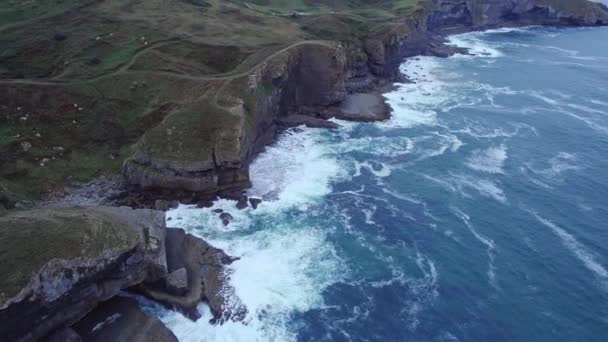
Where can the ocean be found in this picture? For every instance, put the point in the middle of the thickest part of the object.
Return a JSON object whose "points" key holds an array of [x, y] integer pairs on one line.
{"points": [[478, 212]]}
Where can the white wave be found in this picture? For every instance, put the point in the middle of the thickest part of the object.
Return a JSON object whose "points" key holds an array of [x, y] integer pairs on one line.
{"points": [[446, 142], [489, 243], [414, 104], [598, 102], [588, 121], [402, 196], [490, 160], [558, 164], [384, 170], [544, 98], [295, 171], [475, 45], [284, 266], [574, 246], [587, 109], [389, 146], [461, 183], [571, 53], [282, 269], [481, 132], [369, 214]]}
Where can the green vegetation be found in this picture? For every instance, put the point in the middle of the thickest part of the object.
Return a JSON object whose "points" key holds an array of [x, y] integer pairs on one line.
{"points": [[14, 11], [31, 239], [194, 134]]}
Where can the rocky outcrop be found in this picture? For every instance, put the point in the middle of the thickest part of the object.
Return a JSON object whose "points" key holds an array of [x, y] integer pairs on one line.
{"points": [[58, 264], [120, 319], [206, 276]]}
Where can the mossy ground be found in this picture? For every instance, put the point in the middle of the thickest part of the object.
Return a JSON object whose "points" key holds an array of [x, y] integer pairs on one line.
{"points": [[30, 239]]}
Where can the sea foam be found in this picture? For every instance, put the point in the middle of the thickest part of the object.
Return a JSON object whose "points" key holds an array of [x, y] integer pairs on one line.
{"points": [[576, 247], [490, 160], [285, 262]]}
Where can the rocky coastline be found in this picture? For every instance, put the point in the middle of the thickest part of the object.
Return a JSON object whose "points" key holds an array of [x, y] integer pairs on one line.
{"points": [[315, 82], [65, 296]]}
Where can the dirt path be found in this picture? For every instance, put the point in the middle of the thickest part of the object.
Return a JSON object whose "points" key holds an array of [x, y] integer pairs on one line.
{"points": [[124, 68]]}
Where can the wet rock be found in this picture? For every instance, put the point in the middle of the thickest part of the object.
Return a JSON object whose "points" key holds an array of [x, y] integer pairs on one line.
{"points": [[255, 202], [242, 203], [232, 194], [177, 282], [226, 218], [65, 261], [205, 203], [120, 319], [163, 205], [218, 211]]}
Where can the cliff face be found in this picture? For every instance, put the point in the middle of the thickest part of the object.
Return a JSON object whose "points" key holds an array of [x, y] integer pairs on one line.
{"points": [[218, 137], [58, 264], [479, 14], [421, 34], [207, 147]]}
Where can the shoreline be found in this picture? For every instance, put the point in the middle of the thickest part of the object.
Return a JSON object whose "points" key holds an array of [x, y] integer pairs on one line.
{"points": [[435, 44]]}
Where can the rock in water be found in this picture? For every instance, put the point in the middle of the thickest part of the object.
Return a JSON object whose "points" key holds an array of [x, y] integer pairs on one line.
{"points": [[120, 319], [242, 202], [255, 202], [226, 218], [58, 264]]}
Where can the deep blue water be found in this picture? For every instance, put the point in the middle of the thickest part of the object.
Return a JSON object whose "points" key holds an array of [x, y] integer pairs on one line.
{"points": [[479, 212]]}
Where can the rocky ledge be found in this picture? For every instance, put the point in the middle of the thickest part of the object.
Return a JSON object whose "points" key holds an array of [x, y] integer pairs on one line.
{"points": [[60, 264]]}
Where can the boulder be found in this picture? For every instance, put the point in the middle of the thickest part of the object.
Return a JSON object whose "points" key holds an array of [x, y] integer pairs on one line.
{"points": [[58, 264], [242, 202], [226, 218], [120, 319], [255, 202]]}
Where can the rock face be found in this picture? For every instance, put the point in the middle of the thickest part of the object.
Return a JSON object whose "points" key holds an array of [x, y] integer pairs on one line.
{"points": [[206, 278], [58, 264], [120, 319]]}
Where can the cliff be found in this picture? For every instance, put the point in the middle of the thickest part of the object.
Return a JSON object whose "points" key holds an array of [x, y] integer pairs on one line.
{"points": [[60, 264], [207, 147]]}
